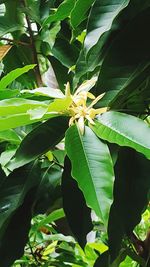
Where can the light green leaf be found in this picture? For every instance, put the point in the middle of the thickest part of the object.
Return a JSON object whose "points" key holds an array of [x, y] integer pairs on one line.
{"points": [[18, 106], [101, 18], [13, 75], [17, 120], [60, 105], [92, 168], [63, 11], [124, 130], [45, 91], [79, 11]]}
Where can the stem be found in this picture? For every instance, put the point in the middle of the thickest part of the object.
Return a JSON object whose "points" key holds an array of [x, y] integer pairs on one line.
{"points": [[32, 253], [35, 58]]}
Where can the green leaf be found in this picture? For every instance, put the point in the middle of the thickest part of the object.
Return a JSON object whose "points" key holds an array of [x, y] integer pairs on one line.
{"points": [[75, 206], [60, 105], [65, 52], [92, 168], [63, 11], [48, 190], [124, 130], [8, 93], [13, 75], [6, 26], [16, 200], [43, 138], [127, 56], [79, 11], [10, 136], [45, 91], [101, 17], [18, 106], [54, 216], [17, 120], [131, 196]]}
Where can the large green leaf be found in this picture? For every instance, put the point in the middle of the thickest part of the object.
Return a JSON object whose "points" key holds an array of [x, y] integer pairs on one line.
{"points": [[13, 191], [39, 141], [65, 52], [16, 199], [92, 168], [101, 17], [17, 120], [131, 196], [127, 56], [79, 11], [75, 206], [48, 191], [13, 75], [124, 130], [18, 106], [63, 11], [14, 241]]}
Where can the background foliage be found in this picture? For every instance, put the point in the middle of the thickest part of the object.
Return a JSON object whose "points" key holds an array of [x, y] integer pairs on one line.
{"points": [[74, 133]]}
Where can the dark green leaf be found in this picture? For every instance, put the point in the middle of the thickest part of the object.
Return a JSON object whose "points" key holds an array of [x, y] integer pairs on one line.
{"points": [[101, 17], [131, 196], [127, 56], [77, 213], [39, 141], [102, 260]]}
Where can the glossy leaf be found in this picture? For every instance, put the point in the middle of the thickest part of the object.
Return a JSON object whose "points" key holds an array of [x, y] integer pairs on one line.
{"points": [[77, 213], [18, 105], [48, 192], [45, 91], [101, 17], [14, 121], [92, 169], [60, 105], [43, 138], [124, 130], [127, 56], [131, 196], [13, 75], [62, 12], [13, 191], [79, 11], [16, 199]]}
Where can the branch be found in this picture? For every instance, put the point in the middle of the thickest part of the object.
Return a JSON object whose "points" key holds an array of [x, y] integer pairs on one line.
{"points": [[35, 58]]}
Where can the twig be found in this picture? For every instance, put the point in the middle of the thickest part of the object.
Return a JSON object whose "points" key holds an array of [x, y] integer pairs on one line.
{"points": [[13, 41]]}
